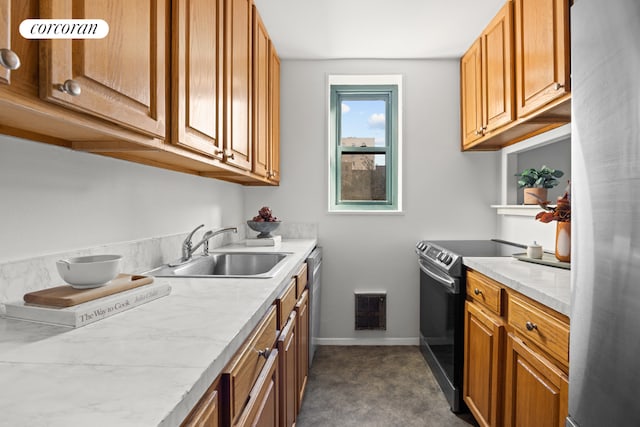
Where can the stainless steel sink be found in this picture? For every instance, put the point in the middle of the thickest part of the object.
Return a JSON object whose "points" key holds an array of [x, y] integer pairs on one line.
{"points": [[225, 264]]}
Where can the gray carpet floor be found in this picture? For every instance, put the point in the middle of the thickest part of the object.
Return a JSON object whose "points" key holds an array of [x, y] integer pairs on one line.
{"points": [[379, 386]]}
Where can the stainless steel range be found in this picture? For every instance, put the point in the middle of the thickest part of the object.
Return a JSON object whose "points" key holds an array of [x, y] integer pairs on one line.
{"points": [[442, 295]]}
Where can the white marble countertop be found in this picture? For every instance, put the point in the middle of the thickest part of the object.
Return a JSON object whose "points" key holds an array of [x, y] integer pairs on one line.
{"points": [[550, 286], [147, 366]]}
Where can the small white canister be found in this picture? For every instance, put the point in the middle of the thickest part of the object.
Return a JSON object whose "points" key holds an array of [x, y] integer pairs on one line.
{"points": [[534, 250]]}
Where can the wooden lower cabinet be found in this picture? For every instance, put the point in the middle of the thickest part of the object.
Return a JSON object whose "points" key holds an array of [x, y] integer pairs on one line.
{"points": [[207, 411], [246, 369], [483, 364], [302, 311], [265, 381], [262, 409], [537, 391], [515, 358], [287, 347]]}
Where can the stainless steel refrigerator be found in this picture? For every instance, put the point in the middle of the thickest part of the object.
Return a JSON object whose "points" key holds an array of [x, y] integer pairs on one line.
{"points": [[604, 369]]}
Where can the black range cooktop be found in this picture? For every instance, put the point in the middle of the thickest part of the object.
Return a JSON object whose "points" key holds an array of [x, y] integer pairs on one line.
{"points": [[479, 248]]}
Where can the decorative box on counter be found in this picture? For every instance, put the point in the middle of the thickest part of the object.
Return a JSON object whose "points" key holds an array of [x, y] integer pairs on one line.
{"points": [[265, 241]]}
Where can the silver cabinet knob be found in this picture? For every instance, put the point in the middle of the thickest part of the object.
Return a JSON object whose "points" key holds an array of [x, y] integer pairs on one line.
{"points": [[531, 326], [9, 59], [70, 87], [558, 86], [477, 291], [264, 353], [218, 152], [230, 155]]}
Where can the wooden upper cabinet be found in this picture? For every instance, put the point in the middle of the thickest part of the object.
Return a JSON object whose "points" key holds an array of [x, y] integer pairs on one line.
{"points": [[274, 110], [497, 70], [261, 128], [471, 94], [542, 53], [197, 96], [122, 77], [487, 79], [238, 78], [266, 103]]}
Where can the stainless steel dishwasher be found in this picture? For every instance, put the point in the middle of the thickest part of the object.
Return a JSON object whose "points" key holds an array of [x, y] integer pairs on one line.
{"points": [[314, 269]]}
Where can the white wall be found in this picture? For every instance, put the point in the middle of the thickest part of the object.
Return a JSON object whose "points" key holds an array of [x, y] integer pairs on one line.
{"points": [[447, 193], [525, 229], [53, 199], [556, 156]]}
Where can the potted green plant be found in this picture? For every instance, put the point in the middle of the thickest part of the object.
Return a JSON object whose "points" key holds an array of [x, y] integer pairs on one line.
{"points": [[536, 182]]}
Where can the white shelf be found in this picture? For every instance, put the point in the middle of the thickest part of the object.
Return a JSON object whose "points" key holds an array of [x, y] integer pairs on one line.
{"points": [[518, 210]]}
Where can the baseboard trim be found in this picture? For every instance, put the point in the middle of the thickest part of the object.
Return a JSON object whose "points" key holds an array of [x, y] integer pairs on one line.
{"points": [[367, 341]]}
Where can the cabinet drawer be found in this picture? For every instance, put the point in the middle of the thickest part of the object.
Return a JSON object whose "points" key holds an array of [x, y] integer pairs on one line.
{"points": [[542, 328], [484, 291], [286, 303], [301, 279], [240, 375]]}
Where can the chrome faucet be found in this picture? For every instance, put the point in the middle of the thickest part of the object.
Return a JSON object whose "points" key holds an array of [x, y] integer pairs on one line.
{"points": [[187, 245], [208, 235], [188, 248]]}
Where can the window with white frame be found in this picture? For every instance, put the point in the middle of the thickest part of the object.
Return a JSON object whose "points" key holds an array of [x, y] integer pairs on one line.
{"points": [[364, 143]]}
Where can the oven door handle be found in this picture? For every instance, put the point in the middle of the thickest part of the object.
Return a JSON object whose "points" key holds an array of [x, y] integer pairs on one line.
{"points": [[446, 281]]}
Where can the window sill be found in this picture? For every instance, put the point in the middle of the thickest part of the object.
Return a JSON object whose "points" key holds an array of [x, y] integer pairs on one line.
{"points": [[365, 212], [518, 210]]}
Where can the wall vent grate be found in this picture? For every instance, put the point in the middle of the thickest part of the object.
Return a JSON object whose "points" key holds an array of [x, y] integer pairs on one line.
{"points": [[371, 311]]}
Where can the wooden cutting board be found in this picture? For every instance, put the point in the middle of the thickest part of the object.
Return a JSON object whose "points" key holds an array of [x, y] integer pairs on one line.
{"points": [[67, 296]]}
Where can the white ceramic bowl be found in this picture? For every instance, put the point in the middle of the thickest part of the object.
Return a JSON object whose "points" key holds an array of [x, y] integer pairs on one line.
{"points": [[89, 271]]}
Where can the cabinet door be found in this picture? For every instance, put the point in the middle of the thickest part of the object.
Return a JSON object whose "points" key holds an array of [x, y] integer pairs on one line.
{"points": [[197, 104], [240, 376], [483, 364], [262, 409], [238, 79], [207, 412], [536, 392], [471, 94], [287, 348], [260, 96], [497, 70], [302, 311], [274, 110], [122, 76], [542, 53]]}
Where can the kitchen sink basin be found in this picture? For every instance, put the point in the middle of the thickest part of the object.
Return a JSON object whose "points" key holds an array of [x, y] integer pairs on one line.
{"points": [[225, 264]]}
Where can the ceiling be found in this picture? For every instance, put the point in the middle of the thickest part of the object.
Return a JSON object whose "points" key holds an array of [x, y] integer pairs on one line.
{"points": [[332, 29]]}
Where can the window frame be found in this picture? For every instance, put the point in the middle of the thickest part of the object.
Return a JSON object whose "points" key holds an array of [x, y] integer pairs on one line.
{"points": [[355, 87]]}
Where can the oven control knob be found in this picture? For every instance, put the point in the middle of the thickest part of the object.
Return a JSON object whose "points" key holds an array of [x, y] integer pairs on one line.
{"points": [[448, 259]]}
